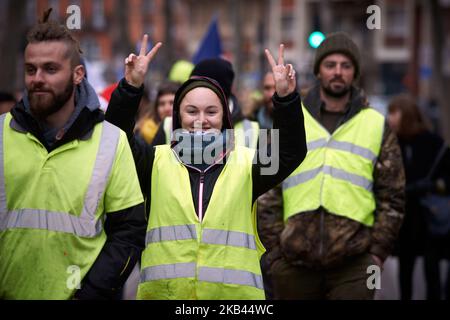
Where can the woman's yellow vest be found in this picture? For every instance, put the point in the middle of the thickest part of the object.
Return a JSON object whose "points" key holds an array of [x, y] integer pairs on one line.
{"points": [[217, 258], [337, 173]]}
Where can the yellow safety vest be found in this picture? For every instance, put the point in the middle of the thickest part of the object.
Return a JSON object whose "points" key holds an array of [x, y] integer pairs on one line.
{"points": [[217, 258], [52, 207], [337, 173]]}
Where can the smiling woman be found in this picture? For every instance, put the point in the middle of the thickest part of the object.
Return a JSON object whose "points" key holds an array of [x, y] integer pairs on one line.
{"points": [[201, 109], [202, 123], [202, 215]]}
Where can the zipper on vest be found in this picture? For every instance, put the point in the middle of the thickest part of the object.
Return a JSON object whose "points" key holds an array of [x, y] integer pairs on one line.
{"points": [[200, 196], [202, 179]]}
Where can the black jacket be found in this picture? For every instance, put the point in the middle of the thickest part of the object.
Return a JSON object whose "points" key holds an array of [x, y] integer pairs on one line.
{"points": [[288, 118], [419, 153], [125, 229]]}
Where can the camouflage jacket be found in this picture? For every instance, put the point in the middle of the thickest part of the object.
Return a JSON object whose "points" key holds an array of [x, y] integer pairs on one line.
{"points": [[319, 239]]}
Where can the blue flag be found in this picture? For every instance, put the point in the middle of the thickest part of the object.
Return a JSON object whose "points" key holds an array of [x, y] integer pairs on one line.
{"points": [[211, 45]]}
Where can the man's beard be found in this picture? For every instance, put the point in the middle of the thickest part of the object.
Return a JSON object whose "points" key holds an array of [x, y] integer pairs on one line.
{"points": [[339, 93], [43, 106]]}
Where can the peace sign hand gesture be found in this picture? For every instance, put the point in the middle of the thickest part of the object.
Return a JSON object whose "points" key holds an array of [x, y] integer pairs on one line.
{"points": [[284, 74], [136, 67]]}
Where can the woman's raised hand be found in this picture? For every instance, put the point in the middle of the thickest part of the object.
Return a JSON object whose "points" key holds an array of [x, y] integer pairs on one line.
{"points": [[284, 75], [136, 67]]}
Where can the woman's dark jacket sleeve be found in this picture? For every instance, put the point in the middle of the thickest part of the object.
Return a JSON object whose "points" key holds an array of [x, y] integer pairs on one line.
{"points": [[122, 110], [125, 231], [288, 120]]}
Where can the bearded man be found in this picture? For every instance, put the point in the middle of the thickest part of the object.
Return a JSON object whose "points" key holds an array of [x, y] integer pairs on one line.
{"points": [[72, 221], [344, 205]]}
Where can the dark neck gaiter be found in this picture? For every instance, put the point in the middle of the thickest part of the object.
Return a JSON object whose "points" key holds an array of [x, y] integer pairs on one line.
{"points": [[200, 149]]}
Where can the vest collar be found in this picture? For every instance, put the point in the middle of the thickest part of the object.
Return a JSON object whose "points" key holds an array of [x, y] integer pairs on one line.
{"points": [[313, 103], [15, 125]]}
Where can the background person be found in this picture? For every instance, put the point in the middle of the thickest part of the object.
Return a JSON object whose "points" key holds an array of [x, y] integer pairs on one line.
{"points": [[343, 206], [420, 148]]}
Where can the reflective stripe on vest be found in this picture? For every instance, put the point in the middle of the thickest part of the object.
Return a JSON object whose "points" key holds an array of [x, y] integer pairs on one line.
{"points": [[344, 146], [230, 276], [229, 238], [334, 172], [337, 173], [188, 270], [169, 271], [83, 225], [247, 125], [171, 233], [210, 236]]}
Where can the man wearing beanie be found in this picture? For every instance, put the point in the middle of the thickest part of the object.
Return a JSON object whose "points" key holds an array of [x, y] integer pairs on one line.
{"points": [[343, 206]]}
